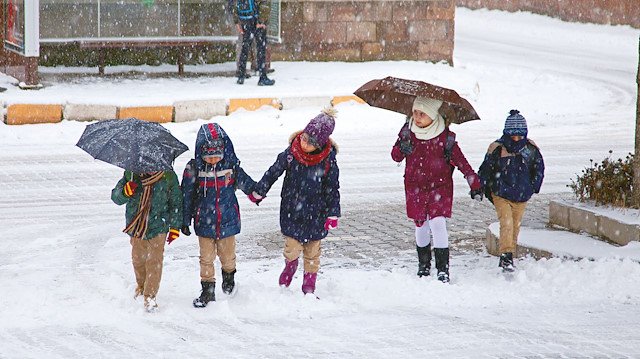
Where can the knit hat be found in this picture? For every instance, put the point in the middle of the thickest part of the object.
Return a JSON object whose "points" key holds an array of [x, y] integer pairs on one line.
{"points": [[427, 105], [213, 148], [321, 127], [515, 125]]}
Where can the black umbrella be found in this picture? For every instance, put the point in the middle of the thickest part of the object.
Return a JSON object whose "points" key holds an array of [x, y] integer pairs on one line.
{"points": [[132, 144]]}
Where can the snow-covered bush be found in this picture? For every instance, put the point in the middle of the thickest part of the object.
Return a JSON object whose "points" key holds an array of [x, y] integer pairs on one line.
{"points": [[609, 182]]}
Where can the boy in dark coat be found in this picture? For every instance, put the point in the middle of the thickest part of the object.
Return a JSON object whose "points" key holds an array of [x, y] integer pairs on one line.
{"points": [[512, 171], [310, 204], [428, 181], [153, 214], [209, 183], [251, 17]]}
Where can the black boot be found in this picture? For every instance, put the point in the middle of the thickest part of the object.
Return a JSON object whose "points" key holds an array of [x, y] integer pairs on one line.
{"points": [[506, 262], [442, 263], [424, 260], [240, 80], [227, 282], [208, 295], [265, 81]]}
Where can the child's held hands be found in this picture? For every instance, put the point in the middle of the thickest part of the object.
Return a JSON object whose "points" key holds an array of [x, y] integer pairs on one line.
{"points": [[255, 198], [406, 147], [173, 235], [331, 223], [130, 188]]}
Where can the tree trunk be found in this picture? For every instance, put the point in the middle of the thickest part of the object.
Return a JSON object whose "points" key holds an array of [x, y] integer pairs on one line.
{"points": [[636, 162]]}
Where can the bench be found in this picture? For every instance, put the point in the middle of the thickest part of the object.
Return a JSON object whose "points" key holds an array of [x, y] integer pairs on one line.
{"points": [[181, 43]]}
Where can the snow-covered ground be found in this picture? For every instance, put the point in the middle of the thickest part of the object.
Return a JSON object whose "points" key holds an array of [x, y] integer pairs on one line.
{"points": [[66, 280]]}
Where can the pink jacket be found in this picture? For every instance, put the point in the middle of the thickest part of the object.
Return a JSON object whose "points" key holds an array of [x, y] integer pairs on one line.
{"points": [[428, 181]]}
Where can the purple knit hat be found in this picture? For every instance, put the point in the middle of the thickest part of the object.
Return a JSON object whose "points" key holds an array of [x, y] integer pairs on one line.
{"points": [[321, 127]]}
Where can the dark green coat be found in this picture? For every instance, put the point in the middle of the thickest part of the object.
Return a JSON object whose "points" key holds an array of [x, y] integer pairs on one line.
{"points": [[166, 202]]}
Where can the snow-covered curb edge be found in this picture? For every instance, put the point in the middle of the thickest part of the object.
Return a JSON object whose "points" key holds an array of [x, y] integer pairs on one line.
{"points": [[180, 111], [612, 225]]}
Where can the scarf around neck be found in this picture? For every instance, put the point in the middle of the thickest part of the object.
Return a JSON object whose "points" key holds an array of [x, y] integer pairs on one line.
{"points": [[429, 132], [138, 226], [513, 146], [306, 158]]}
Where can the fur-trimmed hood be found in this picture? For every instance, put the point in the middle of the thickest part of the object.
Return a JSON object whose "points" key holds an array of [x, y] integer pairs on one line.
{"points": [[331, 141]]}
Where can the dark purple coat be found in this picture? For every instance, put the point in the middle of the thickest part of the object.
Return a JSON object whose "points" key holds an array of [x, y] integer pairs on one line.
{"points": [[309, 194], [428, 181]]}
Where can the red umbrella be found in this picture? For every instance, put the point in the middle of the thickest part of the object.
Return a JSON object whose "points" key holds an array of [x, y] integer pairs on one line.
{"points": [[397, 95]]}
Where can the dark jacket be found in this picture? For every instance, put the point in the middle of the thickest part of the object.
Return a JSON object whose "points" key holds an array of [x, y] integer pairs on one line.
{"points": [[428, 180], [166, 202], [309, 194], [513, 176], [209, 191], [262, 11]]}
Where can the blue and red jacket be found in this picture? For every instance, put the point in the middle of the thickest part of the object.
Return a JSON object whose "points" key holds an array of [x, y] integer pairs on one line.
{"points": [[209, 191]]}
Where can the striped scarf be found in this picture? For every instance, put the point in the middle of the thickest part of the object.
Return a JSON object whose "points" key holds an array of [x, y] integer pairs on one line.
{"points": [[138, 227]]}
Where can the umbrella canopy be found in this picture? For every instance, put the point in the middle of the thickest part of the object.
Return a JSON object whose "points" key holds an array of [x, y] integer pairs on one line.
{"points": [[397, 95], [132, 144]]}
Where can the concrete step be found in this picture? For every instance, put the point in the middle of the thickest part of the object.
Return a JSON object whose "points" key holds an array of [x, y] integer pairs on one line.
{"points": [[547, 243]]}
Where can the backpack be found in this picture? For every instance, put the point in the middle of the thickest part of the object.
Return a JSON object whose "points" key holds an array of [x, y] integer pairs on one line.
{"points": [[246, 9]]}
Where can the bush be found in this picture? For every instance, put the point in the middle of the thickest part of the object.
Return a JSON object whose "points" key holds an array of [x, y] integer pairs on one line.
{"points": [[606, 183]]}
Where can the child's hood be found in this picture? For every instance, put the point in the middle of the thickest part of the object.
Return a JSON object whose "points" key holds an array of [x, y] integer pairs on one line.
{"points": [[211, 132]]}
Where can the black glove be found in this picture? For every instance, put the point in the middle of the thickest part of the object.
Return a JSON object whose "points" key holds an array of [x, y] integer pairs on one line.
{"points": [[406, 147], [477, 194], [185, 230]]}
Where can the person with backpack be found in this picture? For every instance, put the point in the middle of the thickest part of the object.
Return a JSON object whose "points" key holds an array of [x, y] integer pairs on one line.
{"points": [[310, 204], [251, 17], [153, 214], [208, 185], [431, 154], [512, 171]]}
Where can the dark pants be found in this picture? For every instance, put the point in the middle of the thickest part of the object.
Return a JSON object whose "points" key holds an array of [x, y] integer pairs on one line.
{"points": [[260, 35]]}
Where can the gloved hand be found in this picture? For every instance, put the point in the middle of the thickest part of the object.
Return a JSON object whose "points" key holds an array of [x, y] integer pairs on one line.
{"points": [[173, 235], [255, 198], [130, 188], [331, 223], [477, 194], [406, 147], [185, 230]]}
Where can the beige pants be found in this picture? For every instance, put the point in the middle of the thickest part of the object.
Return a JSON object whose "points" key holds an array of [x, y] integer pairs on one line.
{"points": [[224, 248], [311, 250], [147, 256], [510, 216]]}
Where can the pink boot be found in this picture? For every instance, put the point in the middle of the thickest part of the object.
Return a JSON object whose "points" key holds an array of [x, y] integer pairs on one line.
{"points": [[287, 273], [309, 282]]}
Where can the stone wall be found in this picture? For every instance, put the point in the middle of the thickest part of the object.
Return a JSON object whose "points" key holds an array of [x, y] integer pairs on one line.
{"points": [[615, 12], [362, 30]]}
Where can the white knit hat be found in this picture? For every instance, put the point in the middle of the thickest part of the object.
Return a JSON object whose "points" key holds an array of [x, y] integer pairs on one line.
{"points": [[427, 105]]}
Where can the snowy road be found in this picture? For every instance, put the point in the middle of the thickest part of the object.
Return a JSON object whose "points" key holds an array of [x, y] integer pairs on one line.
{"points": [[65, 274]]}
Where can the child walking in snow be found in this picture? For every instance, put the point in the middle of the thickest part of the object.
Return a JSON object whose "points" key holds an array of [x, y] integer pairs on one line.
{"points": [[512, 171], [431, 153], [310, 204], [153, 213], [209, 183]]}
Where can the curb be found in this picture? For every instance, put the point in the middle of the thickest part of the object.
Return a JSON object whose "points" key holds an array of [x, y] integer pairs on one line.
{"points": [[20, 114], [180, 111]]}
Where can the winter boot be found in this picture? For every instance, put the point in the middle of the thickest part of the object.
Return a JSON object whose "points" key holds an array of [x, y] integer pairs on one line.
{"points": [[442, 263], [287, 273], [309, 282], [424, 260], [265, 81], [208, 295], [240, 80], [150, 304], [138, 292], [227, 282], [506, 262]]}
